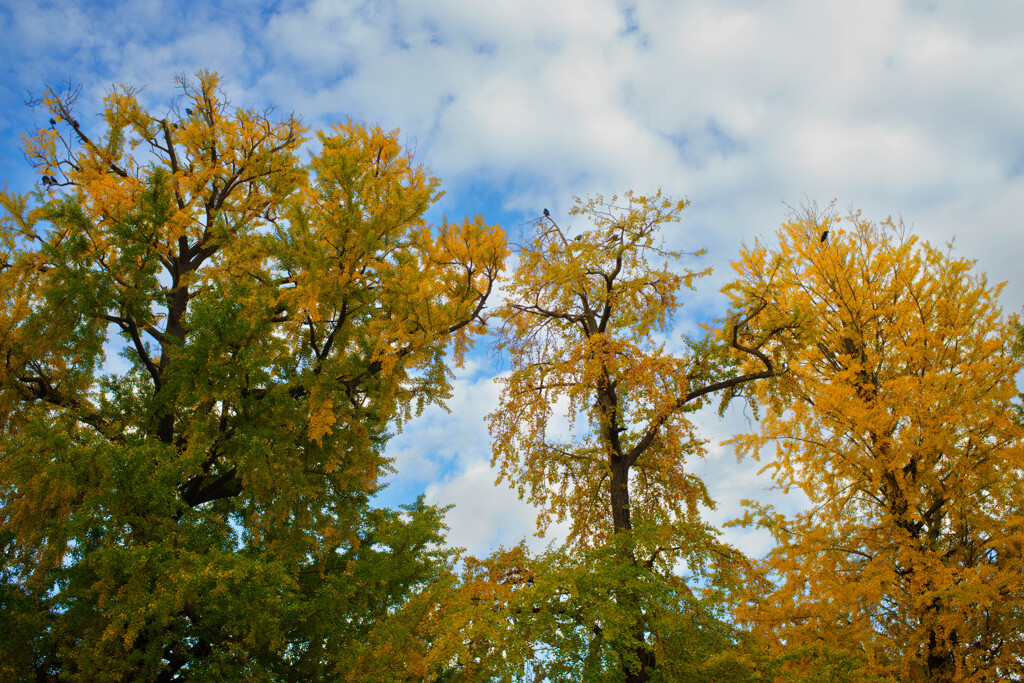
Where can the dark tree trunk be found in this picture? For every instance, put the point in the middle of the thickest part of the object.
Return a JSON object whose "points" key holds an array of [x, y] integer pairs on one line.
{"points": [[646, 658], [620, 496], [642, 671]]}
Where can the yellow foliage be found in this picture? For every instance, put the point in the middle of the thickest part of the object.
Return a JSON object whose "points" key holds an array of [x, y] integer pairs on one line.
{"points": [[579, 327], [278, 318], [592, 424], [894, 418]]}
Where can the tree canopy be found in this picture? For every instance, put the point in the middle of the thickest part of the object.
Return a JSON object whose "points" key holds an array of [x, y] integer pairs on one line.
{"points": [[200, 508], [580, 325], [895, 417]]}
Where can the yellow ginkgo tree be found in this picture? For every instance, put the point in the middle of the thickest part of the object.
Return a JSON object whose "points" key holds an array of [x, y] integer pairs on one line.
{"points": [[593, 429], [895, 419], [200, 508]]}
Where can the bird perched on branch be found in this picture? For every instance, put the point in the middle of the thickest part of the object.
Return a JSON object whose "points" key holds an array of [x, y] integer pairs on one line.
{"points": [[53, 121], [824, 236], [547, 214]]}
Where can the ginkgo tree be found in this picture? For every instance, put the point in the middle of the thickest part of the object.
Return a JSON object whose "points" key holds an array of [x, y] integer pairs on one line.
{"points": [[200, 508], [895, 418], [580, 325]]}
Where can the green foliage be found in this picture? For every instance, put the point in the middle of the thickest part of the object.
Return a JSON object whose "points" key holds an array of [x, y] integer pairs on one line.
{"points": [[202, 509]]}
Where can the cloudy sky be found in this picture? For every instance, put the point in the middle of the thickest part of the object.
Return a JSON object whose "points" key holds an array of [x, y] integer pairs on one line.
{"points": [[911, 108]]}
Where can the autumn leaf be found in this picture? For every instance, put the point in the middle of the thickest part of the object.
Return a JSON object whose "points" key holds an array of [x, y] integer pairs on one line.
{"points": [[895, 419], [206, 509], [584, 310]]}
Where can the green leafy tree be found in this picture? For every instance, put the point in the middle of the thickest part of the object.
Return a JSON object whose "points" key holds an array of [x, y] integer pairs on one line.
{"points": [[558, 617], [201, 508]]}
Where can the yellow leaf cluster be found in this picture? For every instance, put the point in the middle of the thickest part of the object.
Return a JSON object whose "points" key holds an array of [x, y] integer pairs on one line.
{"points": [[592, 394], [894, 418], [278, 317]]}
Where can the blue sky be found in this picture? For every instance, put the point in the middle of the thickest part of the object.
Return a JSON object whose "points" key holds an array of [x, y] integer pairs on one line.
{"points": [[911, 108]]}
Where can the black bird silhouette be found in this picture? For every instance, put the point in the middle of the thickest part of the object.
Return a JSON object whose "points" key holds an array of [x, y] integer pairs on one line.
{"points": [[547, 213], [74, 122], [824, 236], [188, 111], [53, 121]]}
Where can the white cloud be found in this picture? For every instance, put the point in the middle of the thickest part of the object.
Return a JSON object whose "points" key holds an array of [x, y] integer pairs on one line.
{"points": [[447, 457], [485, 514], [730, 481], [907, 108], [438, 439]]}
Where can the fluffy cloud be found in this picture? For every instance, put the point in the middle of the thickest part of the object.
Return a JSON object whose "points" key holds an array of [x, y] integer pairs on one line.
{"points": [[909, 108], [446, 456]]}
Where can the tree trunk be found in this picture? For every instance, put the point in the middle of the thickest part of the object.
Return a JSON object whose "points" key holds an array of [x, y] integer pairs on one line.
{"points": [[646, 659], [620, 496], [642, 671]]}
